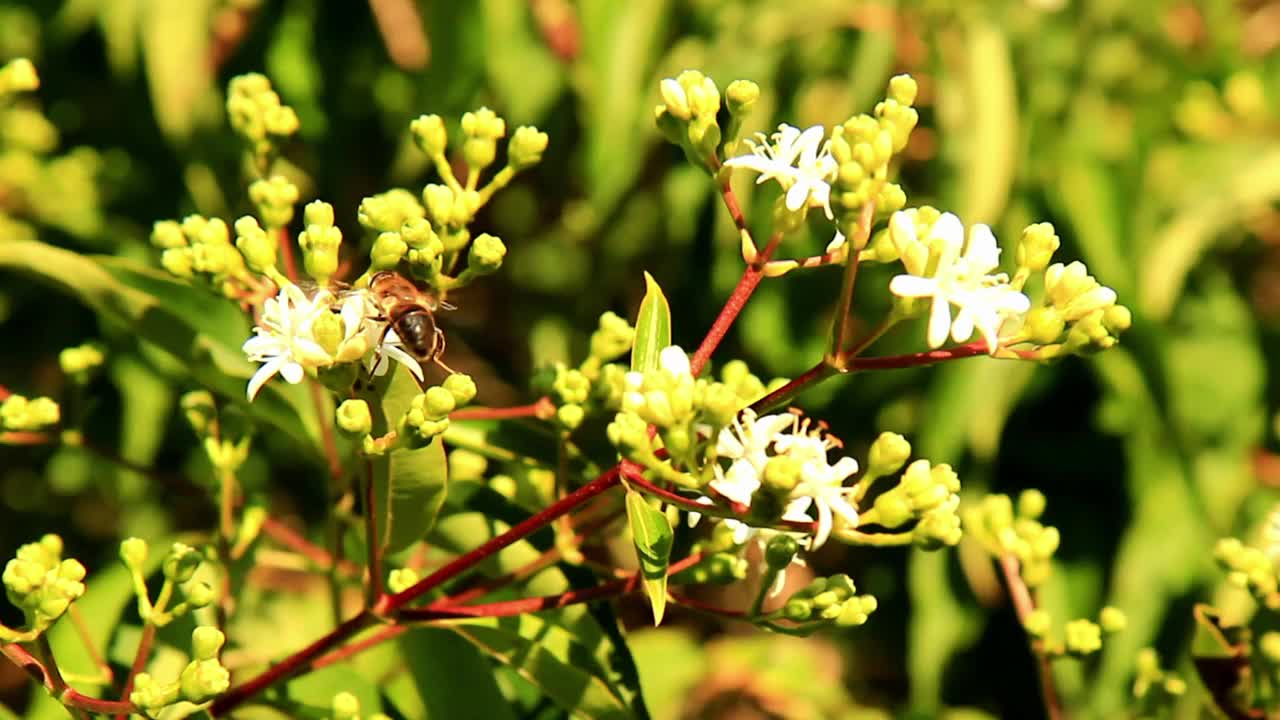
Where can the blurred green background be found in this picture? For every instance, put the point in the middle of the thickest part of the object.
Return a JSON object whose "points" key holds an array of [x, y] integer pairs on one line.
{"points": [[1147, 131]]}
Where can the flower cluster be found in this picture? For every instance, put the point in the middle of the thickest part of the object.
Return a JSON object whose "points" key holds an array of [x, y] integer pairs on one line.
{"points": [[800, 161], [40, 582], [199, 682], [297, 332], [20, 413], [1003, 530]]}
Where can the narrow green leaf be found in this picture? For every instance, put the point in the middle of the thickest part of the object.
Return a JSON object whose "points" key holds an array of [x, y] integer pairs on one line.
{"points": [[175, 43], [451, 679], [409, 485], [653, 539], [553, 659], [991, 139], [653, 327], [200, 330]]}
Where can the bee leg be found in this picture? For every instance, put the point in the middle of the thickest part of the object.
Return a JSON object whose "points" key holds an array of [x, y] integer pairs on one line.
{"points": [[439, 350]]}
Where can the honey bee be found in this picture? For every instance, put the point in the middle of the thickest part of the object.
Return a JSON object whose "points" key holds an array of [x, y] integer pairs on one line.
{"points": [[410, 311]]}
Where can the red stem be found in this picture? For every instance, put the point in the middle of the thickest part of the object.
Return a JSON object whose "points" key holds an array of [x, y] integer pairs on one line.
{"points": [[140, 658], [52, 680], [929, 357], [389, 604], [751, 277], [632, 475], [534, 409], [374, 590], [287, 537], [291, 665], [286, 254]]}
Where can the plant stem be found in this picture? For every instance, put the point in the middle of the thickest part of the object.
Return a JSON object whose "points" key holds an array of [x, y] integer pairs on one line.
{"points": [[633, 477], [79, 704], [289, 538], [140, 657], [286, 255], [751, 277], [505, 608], [291, 665], [1024, 604], [82, 631], [840, 321], [389, 604], [533, 409], [786, 393]]}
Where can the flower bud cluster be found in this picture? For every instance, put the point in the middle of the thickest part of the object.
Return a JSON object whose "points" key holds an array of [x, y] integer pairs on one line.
{"points": [[1079, 637], [428, 413], [926, 494], [225, 433], [203, 679], [256, 113], [200, 247], [863, 147], [1157, 689], [320, 241], [678, 406], [79, 362], [828, 601], [42, 584], [1249, 568], [347, 707], [20, 413], [1077, 316], [596, 385], [274, 198], [689, 115], [179, 568], [1002, 531]]}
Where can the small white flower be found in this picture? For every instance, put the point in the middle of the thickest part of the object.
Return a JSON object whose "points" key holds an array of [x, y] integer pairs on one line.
{"points": [[391, 348], [745, 443], [801, 162], [984, 300], [282, 340], [821, 485]]}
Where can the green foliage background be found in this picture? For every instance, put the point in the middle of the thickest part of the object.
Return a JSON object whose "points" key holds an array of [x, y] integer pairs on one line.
{"points": [[1147, 131]]}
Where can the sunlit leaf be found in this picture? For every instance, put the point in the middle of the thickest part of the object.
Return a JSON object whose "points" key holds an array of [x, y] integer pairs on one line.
{"points": [[653, 538], [653, 327], [409, 485]]}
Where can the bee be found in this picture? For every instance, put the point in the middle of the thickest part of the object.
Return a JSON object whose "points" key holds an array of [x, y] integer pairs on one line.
{"points": [[410, 311]]}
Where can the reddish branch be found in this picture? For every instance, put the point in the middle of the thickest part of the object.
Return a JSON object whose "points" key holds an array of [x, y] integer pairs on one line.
{"points": [[140, 657], [52, 680], [543, 407], [751, 277], [1024, 604], [286, 537]]}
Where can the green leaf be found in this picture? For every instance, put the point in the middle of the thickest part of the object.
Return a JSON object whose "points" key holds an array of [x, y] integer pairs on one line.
{"points": [[553, 659], [653, 327], [317, 688], [200, 330], [448, 679], [990, 137], [653, 539], [409, 485], [620, 41], [520, 68], [671, 663], [175, 43]]}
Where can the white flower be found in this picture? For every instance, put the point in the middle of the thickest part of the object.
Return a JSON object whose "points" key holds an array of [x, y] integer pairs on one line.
{"points": [[282, 340], [964, 280], [800, 161], [390, 348], [745, 443], [821, 484]]}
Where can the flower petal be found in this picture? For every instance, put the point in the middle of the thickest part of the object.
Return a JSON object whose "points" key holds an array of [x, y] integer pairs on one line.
{"points": [[939, 322], [260, 378]]}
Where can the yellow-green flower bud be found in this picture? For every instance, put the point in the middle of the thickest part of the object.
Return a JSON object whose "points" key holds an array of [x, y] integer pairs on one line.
{"points": [[570, 416], [1112, 620], [461, 386], [418, 234], [1044, 325], [671, 127], [720, 403], [202, 680], [429, 133], [439, 200], [345, 706], [486, 255], [181, 563], [888, 453], [798, 610], [674, 99], [571, 386], [80, 360], [741, 96], [612, 338], [199, 594], [282, 120], [1036, 247], [388, 250], [388, 211], [781, 473], [354, 417], [206, 641], [903, 88], [275, 198], [402, 579], [483, 123], [18, 75], [178, 262], [166, 234], [526, 147], [133, 553], [1037, 623], [320, 241], [199, 409], [257, 246], [1082, 637], [438, 402], [467, 465]]}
